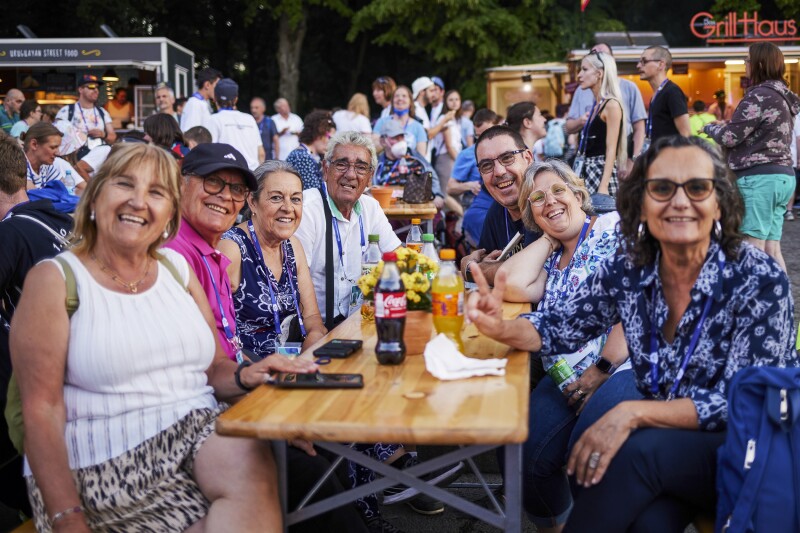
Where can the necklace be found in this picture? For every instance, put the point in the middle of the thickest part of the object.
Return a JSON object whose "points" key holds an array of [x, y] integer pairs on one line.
{"points": [[133, 286]]}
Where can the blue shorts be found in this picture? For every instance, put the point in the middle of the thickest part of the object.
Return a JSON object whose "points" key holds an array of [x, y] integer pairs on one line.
{"points": [[765, 199]]}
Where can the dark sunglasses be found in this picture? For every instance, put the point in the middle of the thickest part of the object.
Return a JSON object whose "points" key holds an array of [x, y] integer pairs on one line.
{"points": [[663, 190]]}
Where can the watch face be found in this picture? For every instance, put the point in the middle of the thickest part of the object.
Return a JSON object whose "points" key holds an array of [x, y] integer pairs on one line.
{"points": [[603, 365]]}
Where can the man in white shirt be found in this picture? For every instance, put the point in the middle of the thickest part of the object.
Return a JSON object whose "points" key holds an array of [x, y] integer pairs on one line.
{"points": [[435, 95], [165, 100], [348, 167], [289, 127], [198, 107], [233, 127], [88, 117]]}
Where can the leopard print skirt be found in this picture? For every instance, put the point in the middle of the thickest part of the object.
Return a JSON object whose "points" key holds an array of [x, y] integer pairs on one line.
{"points": [[149, 488]]}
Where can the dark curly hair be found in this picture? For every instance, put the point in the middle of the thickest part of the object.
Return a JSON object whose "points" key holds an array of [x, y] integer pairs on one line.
{"points": [[316, 125], [631, 197]]}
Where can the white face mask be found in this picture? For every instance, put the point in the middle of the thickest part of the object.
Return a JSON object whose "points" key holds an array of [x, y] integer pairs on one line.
{"points": [[399, 149]]}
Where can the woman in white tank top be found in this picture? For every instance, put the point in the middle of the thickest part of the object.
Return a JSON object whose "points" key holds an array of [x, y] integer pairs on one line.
{"points": [[119, 400]]}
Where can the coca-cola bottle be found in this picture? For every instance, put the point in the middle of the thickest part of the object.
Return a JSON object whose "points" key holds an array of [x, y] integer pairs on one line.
{"points": [[390, 313]]}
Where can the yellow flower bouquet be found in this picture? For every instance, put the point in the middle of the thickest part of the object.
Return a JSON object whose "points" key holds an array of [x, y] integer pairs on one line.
{"points": [[416, 271]]}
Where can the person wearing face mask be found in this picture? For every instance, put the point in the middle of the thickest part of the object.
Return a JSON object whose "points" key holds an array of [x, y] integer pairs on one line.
{"points": [[405, 114], [399, 160]]}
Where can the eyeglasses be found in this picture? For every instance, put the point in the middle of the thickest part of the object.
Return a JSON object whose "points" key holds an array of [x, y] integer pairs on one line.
{"points": [[91, 86], [486, 166], [537, 198], [696, 189], [215, 185], [342, 166], [644, 61]]}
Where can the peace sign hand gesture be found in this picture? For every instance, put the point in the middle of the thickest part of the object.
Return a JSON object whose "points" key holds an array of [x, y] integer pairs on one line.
{"points": [[485, 306]]}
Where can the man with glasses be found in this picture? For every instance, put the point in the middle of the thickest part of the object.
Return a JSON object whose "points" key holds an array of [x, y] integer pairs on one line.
{"points": [[347, 170], [9, 111], [635, 114], [502, 160], [668, 113], [88, 117]]}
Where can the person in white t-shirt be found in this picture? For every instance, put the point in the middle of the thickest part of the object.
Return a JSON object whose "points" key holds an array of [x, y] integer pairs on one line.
{"points": [[355, 117], [41, 145], [86, 116], [419, 93], [198, 108], [289, 127], [233, 127]]}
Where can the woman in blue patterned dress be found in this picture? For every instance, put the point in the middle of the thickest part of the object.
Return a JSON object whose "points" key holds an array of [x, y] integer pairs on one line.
{"points": [[696, 304], [273, 295], [555, 202], [318, 128]]}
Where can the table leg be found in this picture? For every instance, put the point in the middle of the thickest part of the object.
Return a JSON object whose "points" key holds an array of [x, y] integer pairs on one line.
{"points": [[279, 451], [513, 482]]}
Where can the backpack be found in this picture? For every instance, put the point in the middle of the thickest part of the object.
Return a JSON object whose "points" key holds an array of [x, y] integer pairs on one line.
{"points": [[555, 139], [758, 466], [71, 113]]}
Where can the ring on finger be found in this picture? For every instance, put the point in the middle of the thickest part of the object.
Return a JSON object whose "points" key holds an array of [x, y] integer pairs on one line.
{"points": [[579, 392], [594, 460]]}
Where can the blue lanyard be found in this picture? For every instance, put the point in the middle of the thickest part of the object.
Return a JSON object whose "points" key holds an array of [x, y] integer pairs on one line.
{"points": [[267, 272], [339, 238], [226, 326], [381, 180], [85, 122], [261, 125], [689, 351], [508, 231], [556, 258], [198, 96], [585, 131], [650, 110]]}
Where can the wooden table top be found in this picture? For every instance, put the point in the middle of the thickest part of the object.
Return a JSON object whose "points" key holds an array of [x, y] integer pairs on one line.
{"points": [[400, 209], [402, 403]]}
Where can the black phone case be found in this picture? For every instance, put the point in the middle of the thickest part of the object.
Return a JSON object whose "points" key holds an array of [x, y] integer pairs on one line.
{"points": [[338, 348], [320, 384]]}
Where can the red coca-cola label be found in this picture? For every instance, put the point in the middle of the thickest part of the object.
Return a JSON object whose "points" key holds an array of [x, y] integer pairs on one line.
{"points": [[390, 304]]}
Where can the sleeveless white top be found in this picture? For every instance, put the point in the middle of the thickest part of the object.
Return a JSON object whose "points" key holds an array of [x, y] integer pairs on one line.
{"points": [[136, 363]]}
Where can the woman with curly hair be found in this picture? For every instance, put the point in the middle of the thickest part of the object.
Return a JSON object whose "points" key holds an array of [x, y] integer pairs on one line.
{"points": [[683, 284]]}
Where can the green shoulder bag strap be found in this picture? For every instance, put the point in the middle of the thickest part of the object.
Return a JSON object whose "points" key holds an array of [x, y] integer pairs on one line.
{"points": [[13, 411]]}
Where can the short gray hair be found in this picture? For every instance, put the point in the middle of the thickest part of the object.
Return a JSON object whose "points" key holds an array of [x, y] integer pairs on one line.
{"points": [[269, 167], [563, 171], [352, 138], [166, 88]]}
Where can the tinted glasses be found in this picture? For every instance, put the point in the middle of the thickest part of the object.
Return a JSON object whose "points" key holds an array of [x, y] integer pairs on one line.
{"points": [[486, 166], [343, 165], [696, 189], [557, 190], [214, 185]]}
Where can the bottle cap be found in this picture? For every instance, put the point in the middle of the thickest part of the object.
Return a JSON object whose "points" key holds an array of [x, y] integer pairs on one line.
{"points": [[374, 238], [427, 237], [447, 254], [416, 221], [389, 256]]}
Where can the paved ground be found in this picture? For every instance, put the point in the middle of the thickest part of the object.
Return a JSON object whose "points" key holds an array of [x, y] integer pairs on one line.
{"points": [[452, 521]]}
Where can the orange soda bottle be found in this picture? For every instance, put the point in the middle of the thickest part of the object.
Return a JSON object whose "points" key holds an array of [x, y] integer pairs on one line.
{"points": [[447, 293]]}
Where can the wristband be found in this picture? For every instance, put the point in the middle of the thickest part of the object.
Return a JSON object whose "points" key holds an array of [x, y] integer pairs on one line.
{"points": [[467, 272], [237, 376], [65, 513]]}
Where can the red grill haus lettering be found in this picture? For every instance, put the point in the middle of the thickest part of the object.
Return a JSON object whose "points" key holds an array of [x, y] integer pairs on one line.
{"points": [[742, 28]]}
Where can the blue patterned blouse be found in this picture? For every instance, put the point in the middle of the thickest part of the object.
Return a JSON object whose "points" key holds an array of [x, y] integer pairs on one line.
{"points": [[309, 168], [750, 323], [255, 322]]}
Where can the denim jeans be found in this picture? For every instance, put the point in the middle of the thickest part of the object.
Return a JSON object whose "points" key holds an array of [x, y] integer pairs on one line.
{"points": [[553, 427]]}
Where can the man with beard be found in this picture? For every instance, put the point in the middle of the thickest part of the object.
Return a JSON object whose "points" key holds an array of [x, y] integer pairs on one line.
{"points": [[86, 116], [502, 160]]}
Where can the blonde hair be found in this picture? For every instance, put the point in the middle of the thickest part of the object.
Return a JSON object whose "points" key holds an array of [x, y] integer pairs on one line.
{"points": [[120, 160], [563, 171], [358, 104], [609, 89]]}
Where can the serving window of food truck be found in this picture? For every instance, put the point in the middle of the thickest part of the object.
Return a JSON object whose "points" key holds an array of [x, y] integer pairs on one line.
{"points": [[48, 69]]}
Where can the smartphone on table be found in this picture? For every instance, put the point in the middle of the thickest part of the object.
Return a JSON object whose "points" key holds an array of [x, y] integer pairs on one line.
{"points": [[319, 380], [339, 348]]}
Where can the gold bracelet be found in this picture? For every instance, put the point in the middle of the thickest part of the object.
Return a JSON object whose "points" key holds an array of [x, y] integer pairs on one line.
{"points": [[66, 512]]}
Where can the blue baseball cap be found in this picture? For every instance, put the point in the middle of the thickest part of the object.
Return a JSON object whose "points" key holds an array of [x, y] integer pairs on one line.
{"points": [[438, 82]]}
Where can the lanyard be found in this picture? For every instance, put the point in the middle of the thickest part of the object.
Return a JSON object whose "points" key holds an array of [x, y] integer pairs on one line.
{"points": [[585, 132], [272, 291], [381, 180], [339, 238], [85, 122], [650, 110], [261, 125], [198, 96], [556, 258], [226, 326], [508, 230], [689, 351]]}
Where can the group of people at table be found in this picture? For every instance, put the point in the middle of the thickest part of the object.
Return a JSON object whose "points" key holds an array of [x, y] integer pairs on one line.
{"points": [[656, 306]]}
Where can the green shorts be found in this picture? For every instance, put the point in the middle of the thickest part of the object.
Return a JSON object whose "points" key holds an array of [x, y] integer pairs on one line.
{"points": [[766, 197]]}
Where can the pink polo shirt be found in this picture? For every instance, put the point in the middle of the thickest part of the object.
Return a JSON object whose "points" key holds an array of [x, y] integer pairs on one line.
{"points": [[194, 248]]}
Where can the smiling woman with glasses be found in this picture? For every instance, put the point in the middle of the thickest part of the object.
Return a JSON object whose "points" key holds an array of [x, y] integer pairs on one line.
{"points": [[696, 305]]}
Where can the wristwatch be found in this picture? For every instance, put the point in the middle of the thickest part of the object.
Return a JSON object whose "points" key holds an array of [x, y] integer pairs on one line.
{"points": [[604, 366], [237, 377]]}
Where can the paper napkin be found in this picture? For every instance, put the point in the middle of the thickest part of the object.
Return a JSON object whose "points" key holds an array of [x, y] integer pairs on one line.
{"points": [[444, 361]]}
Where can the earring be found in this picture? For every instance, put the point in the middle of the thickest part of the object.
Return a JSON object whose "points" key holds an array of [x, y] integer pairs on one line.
{"points": [[641, 231], [91, 216], [166, 232], [717, 232]]}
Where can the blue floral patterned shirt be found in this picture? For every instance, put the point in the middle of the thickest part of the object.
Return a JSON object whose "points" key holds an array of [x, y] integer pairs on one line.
{"points": [[309, 168], [750, 323]]}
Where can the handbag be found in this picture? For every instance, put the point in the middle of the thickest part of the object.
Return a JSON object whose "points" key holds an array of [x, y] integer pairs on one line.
{"points": [[418, 188]]}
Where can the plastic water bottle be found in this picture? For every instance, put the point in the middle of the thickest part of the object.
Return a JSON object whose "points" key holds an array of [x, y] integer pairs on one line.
{"points": [[429, 251], [447, 293], [414, 237], [562, 373], [69, 182], [372, 255]]}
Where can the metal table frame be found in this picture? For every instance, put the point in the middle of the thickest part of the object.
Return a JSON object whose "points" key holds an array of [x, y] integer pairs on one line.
{"points": [[508, 519]]}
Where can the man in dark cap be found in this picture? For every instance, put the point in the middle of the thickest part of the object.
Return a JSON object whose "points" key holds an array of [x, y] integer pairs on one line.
{"points": [[86, 116], [233, 127]]}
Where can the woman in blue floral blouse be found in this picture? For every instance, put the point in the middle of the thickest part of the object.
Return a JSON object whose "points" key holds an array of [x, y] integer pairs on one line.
{"points": [[696, 304]]}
